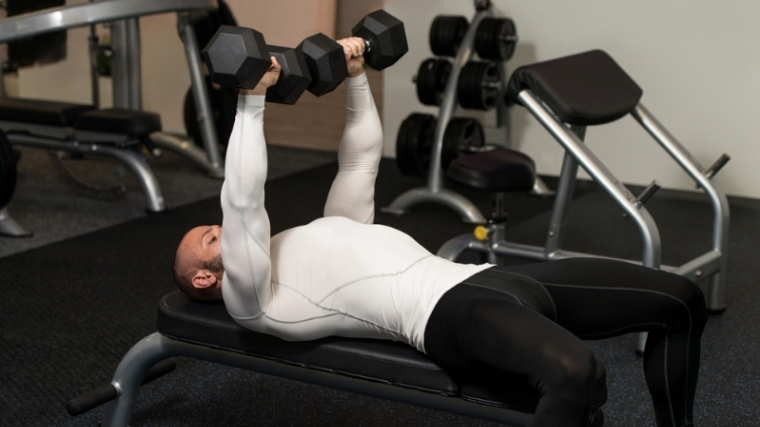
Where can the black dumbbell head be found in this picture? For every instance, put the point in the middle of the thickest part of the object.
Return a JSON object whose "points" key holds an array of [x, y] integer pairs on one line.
{"points": [[237, 56], [386, 36], [326, 62], [294, 76]]}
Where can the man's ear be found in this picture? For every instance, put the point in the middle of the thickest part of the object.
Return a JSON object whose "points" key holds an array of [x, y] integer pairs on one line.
{"points": [[204, 279]]}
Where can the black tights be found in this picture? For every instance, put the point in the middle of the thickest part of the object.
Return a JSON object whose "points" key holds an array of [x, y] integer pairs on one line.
{"points": [[502, 320]]}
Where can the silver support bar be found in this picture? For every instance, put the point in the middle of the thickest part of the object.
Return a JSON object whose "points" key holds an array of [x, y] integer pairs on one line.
{"points": [[718, 199], [64, 17], [131, 159], [200, 94], [586, 159], [434, 192], [188, 150], [9, 227]]}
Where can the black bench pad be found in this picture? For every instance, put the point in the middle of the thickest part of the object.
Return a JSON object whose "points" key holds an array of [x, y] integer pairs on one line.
{"points": [[585, 89], [496, 170], [48, 113], [376, 360], [379, 360], [119, 121]]}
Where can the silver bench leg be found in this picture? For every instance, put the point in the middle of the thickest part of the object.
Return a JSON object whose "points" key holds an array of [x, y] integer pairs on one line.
{"points": [[9, 226], [131, 159], [716, 296]]}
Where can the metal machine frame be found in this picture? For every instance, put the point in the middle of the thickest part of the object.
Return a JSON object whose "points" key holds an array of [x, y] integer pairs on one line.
{"points": [[710, 264], [123, 17]]}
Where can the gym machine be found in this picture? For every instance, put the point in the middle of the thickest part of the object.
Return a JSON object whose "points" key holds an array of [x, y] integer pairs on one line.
{"points": [[83, 130], [566, 95], [426, 145]]}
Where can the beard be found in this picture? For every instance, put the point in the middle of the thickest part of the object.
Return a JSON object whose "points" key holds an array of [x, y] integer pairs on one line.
{"points": [[214, 264]]}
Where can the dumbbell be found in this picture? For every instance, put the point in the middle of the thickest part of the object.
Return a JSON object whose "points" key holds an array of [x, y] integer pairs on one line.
{"points": [[239, 57]]}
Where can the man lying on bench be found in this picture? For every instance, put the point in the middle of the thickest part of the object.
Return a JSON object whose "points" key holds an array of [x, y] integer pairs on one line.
{"points": [[341, 275]]}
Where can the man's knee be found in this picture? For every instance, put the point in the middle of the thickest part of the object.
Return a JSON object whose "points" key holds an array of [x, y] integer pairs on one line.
{"points": [[572, 368], [689, 298]]}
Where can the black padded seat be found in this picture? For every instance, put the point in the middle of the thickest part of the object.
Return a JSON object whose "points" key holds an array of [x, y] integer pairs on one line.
{"points": [[378, 360], [119, 121], [209, 324], [496, 170], [48, 113], [585, 89]]}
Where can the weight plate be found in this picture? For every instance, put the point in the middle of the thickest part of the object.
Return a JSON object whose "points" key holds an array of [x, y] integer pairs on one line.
{"points": [[431, 80], [414, 144], [463, 136], [496, 39], [479, 85], [7, 170], [446, 33]]}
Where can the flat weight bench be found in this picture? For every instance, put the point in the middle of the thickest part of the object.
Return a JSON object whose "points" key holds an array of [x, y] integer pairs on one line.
{"points": [[84, 130], [377, 368], [566, 95]]}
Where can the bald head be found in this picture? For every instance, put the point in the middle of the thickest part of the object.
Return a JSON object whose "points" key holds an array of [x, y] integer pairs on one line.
{"points": [[198, 267]]}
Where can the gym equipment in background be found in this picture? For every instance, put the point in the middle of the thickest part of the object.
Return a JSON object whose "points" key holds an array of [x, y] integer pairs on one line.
{"points": [[425, 145], [123, 133], [566, 95]]}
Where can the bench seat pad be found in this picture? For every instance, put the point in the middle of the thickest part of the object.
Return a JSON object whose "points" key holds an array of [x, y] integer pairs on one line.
{"points": [[378, 360], [119, 121], [585, 89], [39, 112], [497, 170]]}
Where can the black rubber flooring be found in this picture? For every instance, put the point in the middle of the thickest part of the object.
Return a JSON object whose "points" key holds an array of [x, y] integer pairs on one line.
{"points": [[71, 309]]}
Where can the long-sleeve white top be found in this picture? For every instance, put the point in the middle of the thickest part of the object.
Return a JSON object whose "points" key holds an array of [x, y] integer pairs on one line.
{"points": [[340, 274]]}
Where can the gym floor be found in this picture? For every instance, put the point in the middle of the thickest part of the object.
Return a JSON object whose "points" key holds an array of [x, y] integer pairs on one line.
{"points": [[84, 289]]}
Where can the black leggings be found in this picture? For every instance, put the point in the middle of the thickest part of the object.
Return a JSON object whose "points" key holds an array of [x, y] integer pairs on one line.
{"points": [[502, 320]]}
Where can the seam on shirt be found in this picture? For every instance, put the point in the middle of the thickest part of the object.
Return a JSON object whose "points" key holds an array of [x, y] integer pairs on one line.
{"points": [[354, 281], [316, 304]]}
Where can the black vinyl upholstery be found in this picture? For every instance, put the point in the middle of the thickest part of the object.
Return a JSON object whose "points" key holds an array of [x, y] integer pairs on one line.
{"points": [[585, 89], [120, 121], [208, 324], [496, 170], [39, 112], [379, 360]]}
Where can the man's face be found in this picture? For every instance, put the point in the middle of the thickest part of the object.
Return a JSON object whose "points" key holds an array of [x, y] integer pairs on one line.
{"points": [[204, 242]]}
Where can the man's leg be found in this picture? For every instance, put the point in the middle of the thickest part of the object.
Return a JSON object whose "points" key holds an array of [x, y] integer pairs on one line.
{"points": [[597, 298], [483, 330]]}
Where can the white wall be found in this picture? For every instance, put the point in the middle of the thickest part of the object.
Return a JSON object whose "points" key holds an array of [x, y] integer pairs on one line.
{"points": [[696, 60]]}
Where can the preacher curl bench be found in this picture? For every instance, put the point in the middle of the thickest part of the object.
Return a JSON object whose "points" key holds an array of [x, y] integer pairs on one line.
{"points": [[379, 368]]}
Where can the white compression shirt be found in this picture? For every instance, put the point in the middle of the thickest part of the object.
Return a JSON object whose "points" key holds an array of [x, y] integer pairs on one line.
{"points": [[338, 275]]}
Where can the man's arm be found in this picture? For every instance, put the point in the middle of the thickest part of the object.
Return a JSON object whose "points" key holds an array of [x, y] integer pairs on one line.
{"points": [[352, 194], [245, 227]]}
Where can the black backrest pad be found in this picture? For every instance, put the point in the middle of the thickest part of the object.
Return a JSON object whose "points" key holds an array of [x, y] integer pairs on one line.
{"points": [[120, 121], [585, 89], [381, 360]]}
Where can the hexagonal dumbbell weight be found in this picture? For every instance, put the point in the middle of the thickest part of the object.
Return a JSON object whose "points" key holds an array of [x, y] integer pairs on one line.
{"points": [[384, 39], [237, 57]]}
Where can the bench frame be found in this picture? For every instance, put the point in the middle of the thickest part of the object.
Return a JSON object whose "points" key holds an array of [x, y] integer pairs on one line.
{"points": [[156, 347]]}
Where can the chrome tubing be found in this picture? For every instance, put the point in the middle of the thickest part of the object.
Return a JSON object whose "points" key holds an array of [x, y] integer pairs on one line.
{"points": [[131, 159], [718, 199], [64, 17], [651, 256], [200, 94]]}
